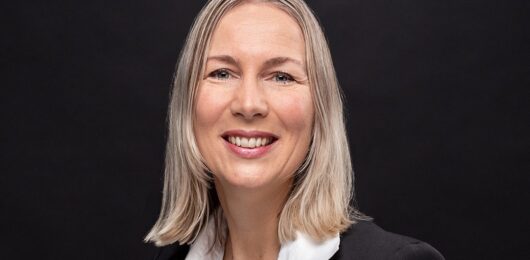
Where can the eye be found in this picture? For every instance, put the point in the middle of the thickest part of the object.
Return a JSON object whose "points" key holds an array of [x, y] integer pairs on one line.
{"points": [[221, 74], [283, 77]]}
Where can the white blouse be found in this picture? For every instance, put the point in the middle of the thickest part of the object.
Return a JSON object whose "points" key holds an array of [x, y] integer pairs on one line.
{"points": [[303, 247]]}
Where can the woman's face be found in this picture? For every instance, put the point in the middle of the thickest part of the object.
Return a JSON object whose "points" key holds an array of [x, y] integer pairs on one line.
{"points": [[253, 109]]}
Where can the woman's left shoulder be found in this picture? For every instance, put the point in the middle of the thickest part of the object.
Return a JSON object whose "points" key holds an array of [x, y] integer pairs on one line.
{"points": [[366, 240]]}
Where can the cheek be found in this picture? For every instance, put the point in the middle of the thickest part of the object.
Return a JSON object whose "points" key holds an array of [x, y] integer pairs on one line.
{"points": [[296, 112], [208, 108]]}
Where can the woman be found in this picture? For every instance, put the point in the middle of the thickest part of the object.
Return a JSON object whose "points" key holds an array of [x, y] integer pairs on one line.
{"points": [[257, 161]]}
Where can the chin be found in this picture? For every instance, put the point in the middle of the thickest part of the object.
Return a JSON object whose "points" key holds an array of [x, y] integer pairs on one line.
{"points": [[250, 179]]}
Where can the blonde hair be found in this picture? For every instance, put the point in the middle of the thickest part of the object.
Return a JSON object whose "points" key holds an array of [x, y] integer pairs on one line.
{"points": [[319, 202]]}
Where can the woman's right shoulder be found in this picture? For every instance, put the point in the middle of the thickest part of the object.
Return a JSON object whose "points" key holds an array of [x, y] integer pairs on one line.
{"points": [[172, 252], [366, 240]]}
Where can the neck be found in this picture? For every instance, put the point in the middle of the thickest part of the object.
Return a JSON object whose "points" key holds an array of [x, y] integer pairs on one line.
{"points": [[252, 219]]}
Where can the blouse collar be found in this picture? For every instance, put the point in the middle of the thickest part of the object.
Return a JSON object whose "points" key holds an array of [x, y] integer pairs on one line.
{"points": [[303, 247]]}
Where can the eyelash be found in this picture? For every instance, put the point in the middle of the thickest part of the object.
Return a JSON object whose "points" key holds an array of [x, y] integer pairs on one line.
{"points": [[215, 74], [288, 78]]}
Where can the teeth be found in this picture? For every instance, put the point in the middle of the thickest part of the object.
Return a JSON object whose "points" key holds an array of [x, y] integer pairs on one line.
{"points": [[252, 142], [244, 142], [249, 142]]}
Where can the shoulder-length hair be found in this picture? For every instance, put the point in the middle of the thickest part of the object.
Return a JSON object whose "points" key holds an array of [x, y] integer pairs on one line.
{"points": [[319, 202]]}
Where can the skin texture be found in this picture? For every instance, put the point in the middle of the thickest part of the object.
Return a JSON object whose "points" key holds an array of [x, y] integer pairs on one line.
{"points": [[242, 88]]}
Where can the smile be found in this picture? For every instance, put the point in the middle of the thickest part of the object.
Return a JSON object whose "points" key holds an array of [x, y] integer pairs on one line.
{"points": [[249, 144]]}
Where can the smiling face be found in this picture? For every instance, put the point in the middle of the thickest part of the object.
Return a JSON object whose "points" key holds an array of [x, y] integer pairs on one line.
{"points": [[253, 109]]}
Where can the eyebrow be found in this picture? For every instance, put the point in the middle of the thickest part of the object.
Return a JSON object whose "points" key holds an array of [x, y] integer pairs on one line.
{"points": [[224, 58], [276, 61]]}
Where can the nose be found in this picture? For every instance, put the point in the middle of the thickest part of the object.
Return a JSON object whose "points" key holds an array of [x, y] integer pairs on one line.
{"points": [[249, 100]]}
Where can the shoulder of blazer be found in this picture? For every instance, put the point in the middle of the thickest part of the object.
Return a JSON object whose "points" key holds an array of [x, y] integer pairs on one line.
{"points": [[172, 252], [365, 240]]}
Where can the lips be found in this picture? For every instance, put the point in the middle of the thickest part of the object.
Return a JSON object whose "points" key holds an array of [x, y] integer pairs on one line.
{"points": [[249, 144]]}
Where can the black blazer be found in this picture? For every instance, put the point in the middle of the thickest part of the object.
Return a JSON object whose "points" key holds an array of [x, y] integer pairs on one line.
{"points": [[362, 241]]}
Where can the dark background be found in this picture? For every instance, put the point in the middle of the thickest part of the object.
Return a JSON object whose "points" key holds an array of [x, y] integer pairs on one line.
{"points": [[436, 99]]}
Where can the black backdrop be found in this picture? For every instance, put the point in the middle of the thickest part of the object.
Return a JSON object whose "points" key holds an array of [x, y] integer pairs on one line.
{"points": [[436, 99]]}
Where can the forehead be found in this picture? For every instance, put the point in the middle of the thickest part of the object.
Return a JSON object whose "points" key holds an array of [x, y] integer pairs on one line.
{"points": [[257, 29]]}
